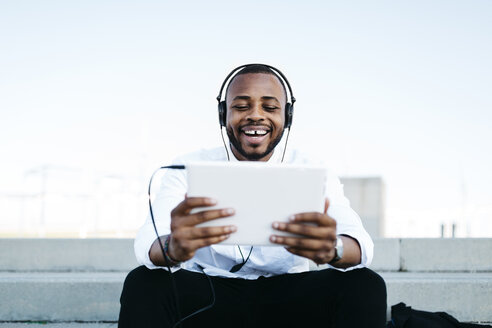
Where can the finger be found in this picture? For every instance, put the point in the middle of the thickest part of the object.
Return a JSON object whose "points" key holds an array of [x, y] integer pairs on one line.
{"points": [[314, 217], [327, 204], [193, 202], [303, 243], [182, 247], [207, 232], [190, 203], [199, 243], [204, 216], [306, 230]]}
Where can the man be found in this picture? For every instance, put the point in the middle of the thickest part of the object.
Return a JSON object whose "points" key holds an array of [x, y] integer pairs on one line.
{"points": [[272, 286]]}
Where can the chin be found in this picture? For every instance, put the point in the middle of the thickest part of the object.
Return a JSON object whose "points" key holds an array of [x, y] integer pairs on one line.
{"points": [[256, 155], [252, 152]]}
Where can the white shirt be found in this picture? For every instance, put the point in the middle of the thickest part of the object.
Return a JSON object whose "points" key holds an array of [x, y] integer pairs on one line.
{"points": [[266, 261]]}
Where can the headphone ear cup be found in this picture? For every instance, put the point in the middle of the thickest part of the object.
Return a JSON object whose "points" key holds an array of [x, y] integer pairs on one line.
{"points": [[222, 113], [289, 113]]}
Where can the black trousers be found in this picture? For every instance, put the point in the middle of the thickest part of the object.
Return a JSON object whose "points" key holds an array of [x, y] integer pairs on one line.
{"points": [[325, 298]]}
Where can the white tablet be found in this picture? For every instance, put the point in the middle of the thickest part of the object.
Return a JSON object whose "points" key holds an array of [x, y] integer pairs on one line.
{"points": [[260, 193]]}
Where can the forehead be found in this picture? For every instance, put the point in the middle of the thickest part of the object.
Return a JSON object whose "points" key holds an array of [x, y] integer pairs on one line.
{"points": [[256, 85]]}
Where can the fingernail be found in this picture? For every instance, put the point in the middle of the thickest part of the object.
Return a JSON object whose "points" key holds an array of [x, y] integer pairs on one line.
{"points": [[229, 211], [275, 225], [211, 201], [292, 218], [273, 238], [231, 229]]}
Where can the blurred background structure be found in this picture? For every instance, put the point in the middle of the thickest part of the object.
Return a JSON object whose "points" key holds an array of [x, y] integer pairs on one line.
{"points": [[105, 205], [95, 95], [114, 206]]}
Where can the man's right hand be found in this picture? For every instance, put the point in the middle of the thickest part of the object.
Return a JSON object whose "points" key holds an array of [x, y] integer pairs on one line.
{"points": [[186, 238]]}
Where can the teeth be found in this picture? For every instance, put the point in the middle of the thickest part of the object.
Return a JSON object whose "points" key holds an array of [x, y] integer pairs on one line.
{"points": [[255, 132]]}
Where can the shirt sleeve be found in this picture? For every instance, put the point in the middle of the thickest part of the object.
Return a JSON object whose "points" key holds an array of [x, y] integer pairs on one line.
{"points": [[348, 222], [171, 192]]}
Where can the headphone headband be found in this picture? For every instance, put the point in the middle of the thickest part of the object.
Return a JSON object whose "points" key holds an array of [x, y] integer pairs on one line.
{"points": [[289, 107], [275, 71]]}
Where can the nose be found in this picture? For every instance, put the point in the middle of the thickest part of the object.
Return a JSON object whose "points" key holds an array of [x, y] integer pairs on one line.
{"points": [[255, 113]]}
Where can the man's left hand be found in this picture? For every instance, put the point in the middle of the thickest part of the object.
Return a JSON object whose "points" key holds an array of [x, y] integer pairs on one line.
{"points": [[318, 231]]}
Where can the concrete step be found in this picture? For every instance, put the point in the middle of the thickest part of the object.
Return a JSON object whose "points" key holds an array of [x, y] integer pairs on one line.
{"points": [[413, 255], [24, 254], [83, 296], [60, 296], [466, 296], [433, 254], [43, 324]]}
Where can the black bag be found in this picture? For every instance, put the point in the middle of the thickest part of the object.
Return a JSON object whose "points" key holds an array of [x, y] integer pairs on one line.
{"points": [[403, 316]]}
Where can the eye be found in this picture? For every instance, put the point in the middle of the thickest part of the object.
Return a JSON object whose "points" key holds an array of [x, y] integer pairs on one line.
{"points": [[240, 107], [270, 108]]}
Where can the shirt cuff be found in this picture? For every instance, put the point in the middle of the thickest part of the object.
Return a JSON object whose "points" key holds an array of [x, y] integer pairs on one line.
{"points": [[143, 242], [366, 250]]}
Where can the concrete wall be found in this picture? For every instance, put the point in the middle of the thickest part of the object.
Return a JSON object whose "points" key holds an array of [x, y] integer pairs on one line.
{"points": [[366, 197]]}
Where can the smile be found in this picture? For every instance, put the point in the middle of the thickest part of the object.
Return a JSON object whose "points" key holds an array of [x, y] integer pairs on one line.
{"points": [[255, 132], [255, 135]]}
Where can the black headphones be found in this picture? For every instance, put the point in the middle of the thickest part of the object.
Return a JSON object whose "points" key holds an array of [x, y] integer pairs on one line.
{"points": [[289, 107]]}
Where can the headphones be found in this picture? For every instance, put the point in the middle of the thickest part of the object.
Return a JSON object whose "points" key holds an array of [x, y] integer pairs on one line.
{"points": [[289, 107]]}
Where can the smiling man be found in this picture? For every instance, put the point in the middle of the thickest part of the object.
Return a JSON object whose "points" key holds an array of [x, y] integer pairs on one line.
{"points": [[256, 117], [228, 286]]}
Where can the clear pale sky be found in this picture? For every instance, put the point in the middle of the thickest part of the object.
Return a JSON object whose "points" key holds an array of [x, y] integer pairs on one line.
{"points": [[395, 89]]}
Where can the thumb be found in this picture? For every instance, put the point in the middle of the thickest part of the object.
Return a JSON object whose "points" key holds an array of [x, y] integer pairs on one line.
{"points": [[327, 204]]}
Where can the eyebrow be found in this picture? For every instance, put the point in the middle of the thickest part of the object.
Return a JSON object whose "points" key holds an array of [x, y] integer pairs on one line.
{"points": [[263, 98], [270, 98]]}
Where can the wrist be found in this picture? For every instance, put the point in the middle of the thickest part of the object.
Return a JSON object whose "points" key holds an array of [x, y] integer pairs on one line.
{"points": [[169, 260], [338, 251]]}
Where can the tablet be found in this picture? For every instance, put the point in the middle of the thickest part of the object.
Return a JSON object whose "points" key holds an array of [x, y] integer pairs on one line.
{"points": [[260, 193]]}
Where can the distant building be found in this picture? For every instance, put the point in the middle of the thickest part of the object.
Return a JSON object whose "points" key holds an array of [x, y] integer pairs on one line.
{"points": [[366, 197]]}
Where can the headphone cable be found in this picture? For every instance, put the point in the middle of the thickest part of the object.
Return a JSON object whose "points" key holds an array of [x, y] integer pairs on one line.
{"points": [[179, 320], [285, 145], [223, 140], [171, 276], [205, 307], [239, 266]]}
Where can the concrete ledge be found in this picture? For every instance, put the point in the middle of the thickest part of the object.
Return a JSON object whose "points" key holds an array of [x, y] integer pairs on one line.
{"points": [[386, 255], [446, 254], [466, 296], [56, 296], [412, 255], [58, 324], [81, 296], [67, 255]]}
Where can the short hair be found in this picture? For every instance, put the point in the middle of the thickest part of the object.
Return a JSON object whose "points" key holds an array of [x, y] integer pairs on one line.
{"points": [[257, 69]]}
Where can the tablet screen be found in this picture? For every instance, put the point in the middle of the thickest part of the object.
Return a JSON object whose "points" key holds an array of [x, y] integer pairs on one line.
{"points": [[260, 193]]}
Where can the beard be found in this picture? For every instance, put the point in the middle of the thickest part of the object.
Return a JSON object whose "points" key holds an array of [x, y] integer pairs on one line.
{"points": [[252, 156]]}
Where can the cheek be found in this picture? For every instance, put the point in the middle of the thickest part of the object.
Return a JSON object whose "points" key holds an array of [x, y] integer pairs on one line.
{"points": [[232, 120], [279, 121]]}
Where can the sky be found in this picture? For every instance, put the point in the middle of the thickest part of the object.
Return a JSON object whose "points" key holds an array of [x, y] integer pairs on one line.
{"points": [[394, 89]]}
